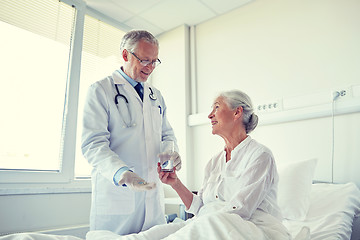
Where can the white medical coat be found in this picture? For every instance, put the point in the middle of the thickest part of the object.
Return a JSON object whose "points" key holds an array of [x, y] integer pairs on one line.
{"points": [[245, 183], [108, 145]]}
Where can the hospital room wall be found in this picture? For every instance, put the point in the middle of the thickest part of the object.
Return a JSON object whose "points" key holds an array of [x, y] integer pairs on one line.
{"points": [[172, 79], [276, 49], [60, 213]]}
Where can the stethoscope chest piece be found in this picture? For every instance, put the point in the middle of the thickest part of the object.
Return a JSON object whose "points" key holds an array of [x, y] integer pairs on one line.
{"points": [[151, 95]]}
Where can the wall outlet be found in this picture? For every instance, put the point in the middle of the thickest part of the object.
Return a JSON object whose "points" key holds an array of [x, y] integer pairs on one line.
{"points": [[269, 106], [341, 94]]}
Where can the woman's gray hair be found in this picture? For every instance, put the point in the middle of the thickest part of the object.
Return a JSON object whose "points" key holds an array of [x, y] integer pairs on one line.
{"points": [[235, 99], [132, 38]]}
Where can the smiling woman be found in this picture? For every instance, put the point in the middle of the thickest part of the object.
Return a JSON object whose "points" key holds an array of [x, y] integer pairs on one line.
{"points": [[232, 113]]}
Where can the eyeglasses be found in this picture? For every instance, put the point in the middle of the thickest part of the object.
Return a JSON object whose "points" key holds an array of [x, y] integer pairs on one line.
{"points": [[144, 63]]}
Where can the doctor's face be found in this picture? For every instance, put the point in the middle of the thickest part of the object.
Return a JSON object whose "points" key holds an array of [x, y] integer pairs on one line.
{"points": [[145, 51], [222, 118]]}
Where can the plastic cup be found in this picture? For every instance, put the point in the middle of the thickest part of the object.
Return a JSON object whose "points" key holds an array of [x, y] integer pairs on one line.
{"points": [[166, 150]]}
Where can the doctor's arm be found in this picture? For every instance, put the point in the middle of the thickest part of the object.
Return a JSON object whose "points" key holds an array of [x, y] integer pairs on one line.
{"points": [[95, 135], [96, 142]]}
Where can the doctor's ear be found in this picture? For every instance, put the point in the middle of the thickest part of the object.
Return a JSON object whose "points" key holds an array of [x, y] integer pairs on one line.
{"points": [[125, 55]]}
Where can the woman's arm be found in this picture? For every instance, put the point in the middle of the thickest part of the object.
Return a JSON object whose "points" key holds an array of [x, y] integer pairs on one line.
{"points": [[251, 188], [171, 179]]}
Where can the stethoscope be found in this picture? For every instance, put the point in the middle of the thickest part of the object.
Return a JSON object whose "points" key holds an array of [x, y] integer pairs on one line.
{"points": [[130, 123], [151, 95]]}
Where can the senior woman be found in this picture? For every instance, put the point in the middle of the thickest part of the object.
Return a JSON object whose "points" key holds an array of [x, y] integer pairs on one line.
{"points": [[242, 178], [238, 196]]}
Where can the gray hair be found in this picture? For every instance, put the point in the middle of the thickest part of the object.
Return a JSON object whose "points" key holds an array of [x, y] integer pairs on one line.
{"points": [[132, 38], [235, 99]]}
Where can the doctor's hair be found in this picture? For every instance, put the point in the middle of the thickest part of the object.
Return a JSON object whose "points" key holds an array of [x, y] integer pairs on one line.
{"points": [[132, 38], [235, 99]]}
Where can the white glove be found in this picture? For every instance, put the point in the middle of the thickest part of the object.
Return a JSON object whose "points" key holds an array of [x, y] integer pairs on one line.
{"points": [[134, 182], [174, 156]]}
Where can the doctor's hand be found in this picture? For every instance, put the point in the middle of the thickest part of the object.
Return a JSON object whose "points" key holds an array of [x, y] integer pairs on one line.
{"points": [[134, 182], [174, 156]]}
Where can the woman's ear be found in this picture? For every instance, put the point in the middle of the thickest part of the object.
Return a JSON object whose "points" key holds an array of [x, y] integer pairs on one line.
{"points": [[238, 112]]}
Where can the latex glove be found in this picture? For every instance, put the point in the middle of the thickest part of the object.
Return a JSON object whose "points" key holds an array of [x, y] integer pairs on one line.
{"points": [[134, 182], [174, 156]]}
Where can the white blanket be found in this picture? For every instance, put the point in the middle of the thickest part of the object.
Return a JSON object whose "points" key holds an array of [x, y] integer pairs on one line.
{"points": [[37, 236], [261, 226]]}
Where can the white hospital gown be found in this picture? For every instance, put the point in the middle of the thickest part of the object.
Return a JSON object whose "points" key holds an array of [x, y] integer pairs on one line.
{"points": [[245, 183]]}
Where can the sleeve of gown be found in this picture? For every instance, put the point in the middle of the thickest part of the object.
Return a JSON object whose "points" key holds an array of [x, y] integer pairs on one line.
{"points": [[252, 186], [197, 201]]}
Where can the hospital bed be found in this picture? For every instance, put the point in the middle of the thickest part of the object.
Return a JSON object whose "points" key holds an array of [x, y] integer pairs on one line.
{"points": [[330, 211], [333, 213]]}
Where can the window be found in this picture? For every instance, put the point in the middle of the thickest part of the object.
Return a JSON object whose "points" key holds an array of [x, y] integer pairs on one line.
{"points": [[35, 45], [100, 57], [38, 109]]}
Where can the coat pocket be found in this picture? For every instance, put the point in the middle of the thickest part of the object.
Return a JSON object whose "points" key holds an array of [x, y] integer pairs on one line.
{"points": [[115, 200], [156, 115]]}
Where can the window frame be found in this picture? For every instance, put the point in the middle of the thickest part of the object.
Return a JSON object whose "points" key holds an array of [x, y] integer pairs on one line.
{"points": [[63, 181]]}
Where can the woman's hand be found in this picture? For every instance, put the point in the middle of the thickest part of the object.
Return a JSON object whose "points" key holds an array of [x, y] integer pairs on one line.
{"points": [[172, 179], [169, 178]]}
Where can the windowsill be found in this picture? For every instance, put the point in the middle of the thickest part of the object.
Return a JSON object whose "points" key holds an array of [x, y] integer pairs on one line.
{"points": [[76, 186]]}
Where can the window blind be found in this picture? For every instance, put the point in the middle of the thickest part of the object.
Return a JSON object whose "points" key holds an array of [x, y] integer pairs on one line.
{"points": [[35, 45]]}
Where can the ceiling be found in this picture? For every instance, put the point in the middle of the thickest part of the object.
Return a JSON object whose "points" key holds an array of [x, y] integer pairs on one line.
{"points": [[158, 16]]}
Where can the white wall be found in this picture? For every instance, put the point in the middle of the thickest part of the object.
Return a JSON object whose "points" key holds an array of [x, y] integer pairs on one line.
{"points": [[172, 79], [273, 50], [41, 212], [281, 48]]}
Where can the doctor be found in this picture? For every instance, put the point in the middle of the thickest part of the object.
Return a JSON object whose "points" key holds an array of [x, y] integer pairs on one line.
{"points": [[124, 123]]}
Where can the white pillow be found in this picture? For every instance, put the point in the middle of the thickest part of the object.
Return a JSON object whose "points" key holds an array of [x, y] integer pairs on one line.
{"points": [[295, 181]]}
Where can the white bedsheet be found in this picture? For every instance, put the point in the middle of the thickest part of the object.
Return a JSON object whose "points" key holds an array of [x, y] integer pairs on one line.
{"points": [[210, 226], [37, 236], [331, 212], [330, 216]]}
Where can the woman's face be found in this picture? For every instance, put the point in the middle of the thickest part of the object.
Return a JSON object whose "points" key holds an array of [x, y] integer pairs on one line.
{"points": [[222, 118]]}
